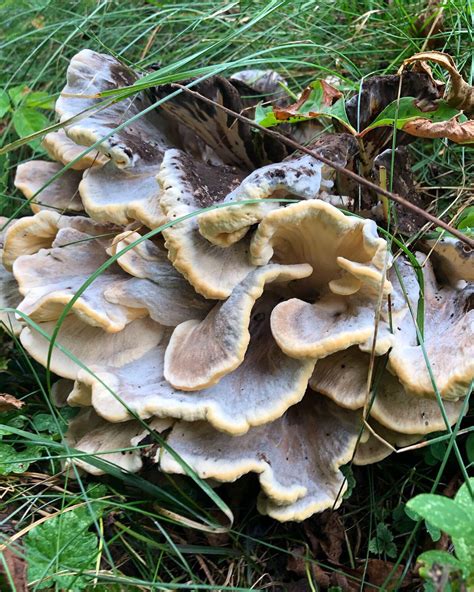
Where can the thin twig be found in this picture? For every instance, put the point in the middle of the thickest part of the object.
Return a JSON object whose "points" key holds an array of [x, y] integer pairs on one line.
{"points": [[341, 169]]}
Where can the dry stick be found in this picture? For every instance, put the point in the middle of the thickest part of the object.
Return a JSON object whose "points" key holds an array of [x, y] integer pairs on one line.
{"points": [[357, 178]]}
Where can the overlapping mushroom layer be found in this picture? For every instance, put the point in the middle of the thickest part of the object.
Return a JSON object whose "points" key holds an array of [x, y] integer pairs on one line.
{"points": [[244, 333]]}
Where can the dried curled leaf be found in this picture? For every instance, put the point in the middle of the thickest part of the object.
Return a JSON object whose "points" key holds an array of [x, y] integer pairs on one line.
{"points": [[461, 94], [453, 129], [410, 116], [9, 402]]}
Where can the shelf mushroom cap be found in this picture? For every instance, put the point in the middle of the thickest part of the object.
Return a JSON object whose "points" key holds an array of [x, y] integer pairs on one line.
{"points": [[202, 352], [90, 73], [50, 278], [187, 186], [9, 294], [122, 196], [28, 235], [80, 345], [343, 378], [260, 390], [155, 286], [64, 150], [298, 469], [345, 251], [445, 361], [116, 444], [452, 259], [60, 195], [374, 449], [296, 177]]}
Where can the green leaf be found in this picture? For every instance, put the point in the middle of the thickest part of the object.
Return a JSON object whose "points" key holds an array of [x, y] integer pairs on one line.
{"points": [[382, 542], [314, 102], [12, 461], [40, 100], [442, 512], [44, 422], [466, 222], [12, 419], [399, 112], [4, 103], [62, 544], [348, 473], [26, 121], [435, 533], [464, 499], [17, 93], [428, 558]]}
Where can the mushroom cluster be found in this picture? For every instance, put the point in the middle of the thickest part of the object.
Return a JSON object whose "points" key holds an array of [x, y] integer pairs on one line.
{"points": [[245, 334]]}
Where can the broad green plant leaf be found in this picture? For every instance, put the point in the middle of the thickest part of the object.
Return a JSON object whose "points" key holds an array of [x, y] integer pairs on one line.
{"points": [[27, 121], [62, 544], [12, 461], [442, 122], [4, 103], [466, 222], [400, 112], [428, 558], [17, 93], [443, 513], [319, 99], [40, 100]]}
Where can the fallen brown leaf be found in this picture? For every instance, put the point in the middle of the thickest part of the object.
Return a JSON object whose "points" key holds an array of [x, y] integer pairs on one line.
{"points": [[297, 564], [461, 94], [378, 570], [461, 133], [14, 569], [9, 402], [333, 537]]}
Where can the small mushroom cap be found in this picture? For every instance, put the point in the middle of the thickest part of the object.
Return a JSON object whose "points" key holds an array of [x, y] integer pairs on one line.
{"points": [[89, 74], [452, 260], [448, 342], [331, 324], [258, 391], [62, 149], [157, 286], [263, 82], [28, 235], [345, 252], [122, 196], [343, 378], [201, 352], [188, 186], [80, 395], [9, 298], [301, 177], [116, 444], [60, 391], [9, 294], [296, 457], [90, 345], [297, 176], [50, 278], [90, 434], [61, 195], [373, 450]]}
